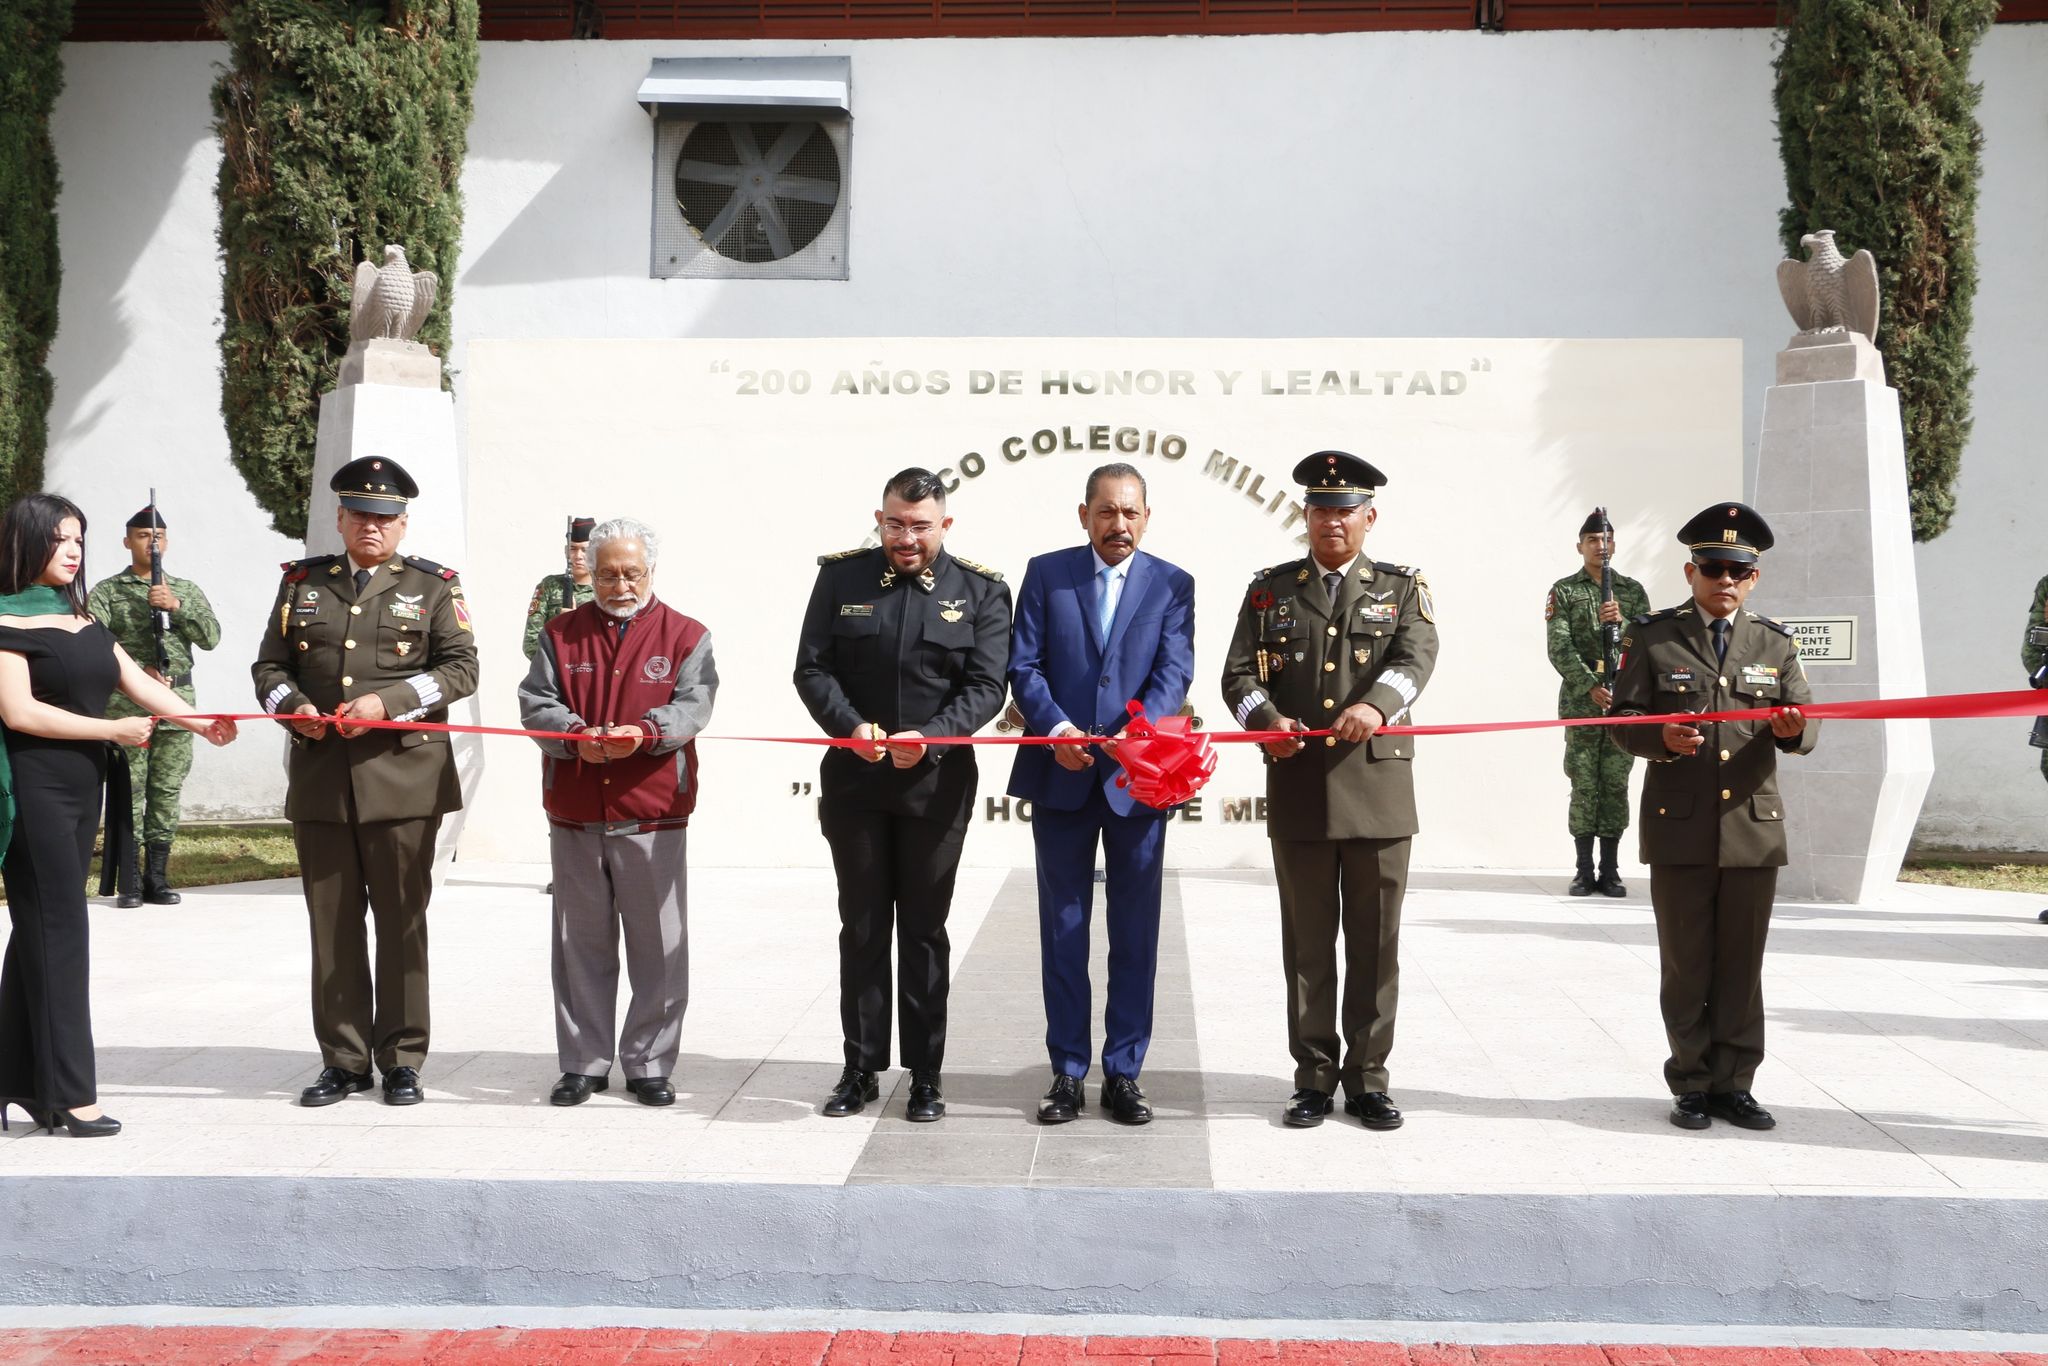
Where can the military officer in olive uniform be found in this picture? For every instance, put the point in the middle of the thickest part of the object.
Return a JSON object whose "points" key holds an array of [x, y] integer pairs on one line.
{"points": [[1573, 615], [899, 642], [1713, 825], [369, 635], [2034, 654], [1337, 642], [564, 592], [129, 606]]}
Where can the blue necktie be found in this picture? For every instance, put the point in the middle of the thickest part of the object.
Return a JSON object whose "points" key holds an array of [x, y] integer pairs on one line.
{"points": [[1105, 608], [1720, 630]]}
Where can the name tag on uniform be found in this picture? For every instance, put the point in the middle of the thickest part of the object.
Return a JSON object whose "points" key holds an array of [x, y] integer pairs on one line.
{"points": [[1678, 679], [1380, 613], [1759, 673], [407, 611], [856, 609], [306, 609]]}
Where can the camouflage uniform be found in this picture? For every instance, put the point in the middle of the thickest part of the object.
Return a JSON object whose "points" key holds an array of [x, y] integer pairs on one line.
{"points": [[2032, 656], [121, 604], [1598, 770], [549, 602]]}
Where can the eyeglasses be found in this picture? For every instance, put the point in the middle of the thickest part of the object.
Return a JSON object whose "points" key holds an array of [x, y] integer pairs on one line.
{"points": [[632, 580], [1724, 569], [920, 530]]}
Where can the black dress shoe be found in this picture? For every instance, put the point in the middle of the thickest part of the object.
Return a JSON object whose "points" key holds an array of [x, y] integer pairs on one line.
{"points": [[1582, 884], [1374, 1110], [1063, 1101], [927, 1103], [402, 1086], [1610, 884], [1740, 1109], [335, 1083], [1125, 1102], [576, 1087], [1689, 1111], [651, 1090], [855, 1089], [106, 1126], [1306, 1109], [2043, 917]]}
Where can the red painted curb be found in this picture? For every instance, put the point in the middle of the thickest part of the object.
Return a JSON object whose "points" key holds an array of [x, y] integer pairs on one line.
{"points": [[124, 1345]]}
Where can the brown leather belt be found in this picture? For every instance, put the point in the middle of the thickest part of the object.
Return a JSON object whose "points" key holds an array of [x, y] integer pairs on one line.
{"points": [[623, 827]]}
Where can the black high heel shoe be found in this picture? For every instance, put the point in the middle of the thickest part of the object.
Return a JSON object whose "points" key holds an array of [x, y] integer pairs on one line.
{"points": [[106, 1126]]}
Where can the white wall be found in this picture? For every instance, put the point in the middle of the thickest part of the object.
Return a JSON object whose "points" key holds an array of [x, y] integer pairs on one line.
{"points": [[1564, 185]]}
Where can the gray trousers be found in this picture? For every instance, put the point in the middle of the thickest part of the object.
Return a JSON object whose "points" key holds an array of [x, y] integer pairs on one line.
{"points": [[604, 884]]}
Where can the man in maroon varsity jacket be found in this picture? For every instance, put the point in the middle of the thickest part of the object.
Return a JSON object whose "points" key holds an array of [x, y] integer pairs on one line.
{"points": [[634, 677]]}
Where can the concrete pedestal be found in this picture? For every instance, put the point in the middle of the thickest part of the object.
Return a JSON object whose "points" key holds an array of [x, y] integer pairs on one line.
{"points": [[1831, 479], [412, 423]]}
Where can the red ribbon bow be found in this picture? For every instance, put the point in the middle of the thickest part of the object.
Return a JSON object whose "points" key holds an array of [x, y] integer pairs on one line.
{"points": [[1164, 762]]}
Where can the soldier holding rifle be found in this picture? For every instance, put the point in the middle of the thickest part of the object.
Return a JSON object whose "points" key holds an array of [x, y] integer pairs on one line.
{"points": [[159, 621], [1583, 617], [2034, 659]]}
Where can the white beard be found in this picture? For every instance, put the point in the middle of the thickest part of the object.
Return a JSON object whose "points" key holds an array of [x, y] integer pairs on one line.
{"points": [[621, 613]]}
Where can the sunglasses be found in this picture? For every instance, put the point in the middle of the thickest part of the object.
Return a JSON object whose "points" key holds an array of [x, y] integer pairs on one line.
{"points": [[1724, 569]]}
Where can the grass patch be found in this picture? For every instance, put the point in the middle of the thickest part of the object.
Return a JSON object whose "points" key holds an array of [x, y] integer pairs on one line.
{"points": [[209, 855], [1988, 877]]}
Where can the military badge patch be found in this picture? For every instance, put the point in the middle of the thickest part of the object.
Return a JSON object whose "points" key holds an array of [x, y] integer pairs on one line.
{"points": [[1261, 599], [461, 612], [856, 609]]}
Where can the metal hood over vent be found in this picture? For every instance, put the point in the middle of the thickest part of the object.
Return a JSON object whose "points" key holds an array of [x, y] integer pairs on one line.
{"points": [[755, 88]]}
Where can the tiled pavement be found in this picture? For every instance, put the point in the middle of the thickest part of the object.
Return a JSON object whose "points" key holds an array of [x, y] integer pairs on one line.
{"points": [[1908, 1050], [202, 1346]]}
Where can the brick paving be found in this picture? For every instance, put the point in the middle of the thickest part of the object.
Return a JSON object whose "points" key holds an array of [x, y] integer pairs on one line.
{"points": [[213, 1346]]}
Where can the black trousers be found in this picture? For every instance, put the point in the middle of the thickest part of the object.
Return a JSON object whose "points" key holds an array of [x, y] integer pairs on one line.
{"points": [[895, 880], [46, 1051]]}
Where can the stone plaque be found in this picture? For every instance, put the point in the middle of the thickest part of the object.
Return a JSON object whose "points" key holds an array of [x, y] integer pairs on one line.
{"points": [[1824, 640]]}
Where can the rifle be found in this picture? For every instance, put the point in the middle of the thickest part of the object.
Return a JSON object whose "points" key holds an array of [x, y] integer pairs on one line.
{"points": [[2038, 636], [1609, 663], [160, 620]]}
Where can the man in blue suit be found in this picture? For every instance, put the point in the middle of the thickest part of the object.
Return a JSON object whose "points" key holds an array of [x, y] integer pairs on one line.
{"points": [[1097, 625]]}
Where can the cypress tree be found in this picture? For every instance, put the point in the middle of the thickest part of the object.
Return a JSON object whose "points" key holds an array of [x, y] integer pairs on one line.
{"points": [[31, 73], [343, 125], [1877, 128]]}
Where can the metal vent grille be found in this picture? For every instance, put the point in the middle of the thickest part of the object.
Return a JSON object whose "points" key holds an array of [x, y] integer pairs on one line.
{"points": [[746, 200]]}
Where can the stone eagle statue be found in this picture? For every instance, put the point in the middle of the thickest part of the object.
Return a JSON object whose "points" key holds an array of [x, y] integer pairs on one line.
{"points": [[391, 300], [1827, 293]]}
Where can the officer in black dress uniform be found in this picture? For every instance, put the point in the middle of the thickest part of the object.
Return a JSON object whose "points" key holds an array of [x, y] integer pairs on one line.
{"points": [[899, 642]]}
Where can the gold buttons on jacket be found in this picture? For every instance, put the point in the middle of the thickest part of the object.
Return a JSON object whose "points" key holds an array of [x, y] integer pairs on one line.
{"points": [[350, 645], [355, 611], [1332, 630], [1724, 756], [346, 680], [1328, 703], [1330, 667], [304, 645], [1726, 794], [1660, 810], [1330, 741], [1379, 633], [1724, 682]]}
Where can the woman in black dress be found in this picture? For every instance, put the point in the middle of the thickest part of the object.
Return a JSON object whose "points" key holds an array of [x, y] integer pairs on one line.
{"points": [[57, 669]]}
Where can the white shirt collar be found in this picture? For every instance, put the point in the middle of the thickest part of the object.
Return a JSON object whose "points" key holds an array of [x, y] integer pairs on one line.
{"points": [[1119, 570]]}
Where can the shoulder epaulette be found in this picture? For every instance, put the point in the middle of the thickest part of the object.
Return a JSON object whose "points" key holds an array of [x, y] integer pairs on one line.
{"points": [[295, 570], [1661, 614], [1780, 627], [1286, 568], [992, 575], [1405, 569], [429, 567], [844, 554]]}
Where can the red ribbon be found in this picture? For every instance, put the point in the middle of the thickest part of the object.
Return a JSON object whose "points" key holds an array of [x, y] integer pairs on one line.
{"points": [[1944, 707]]}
